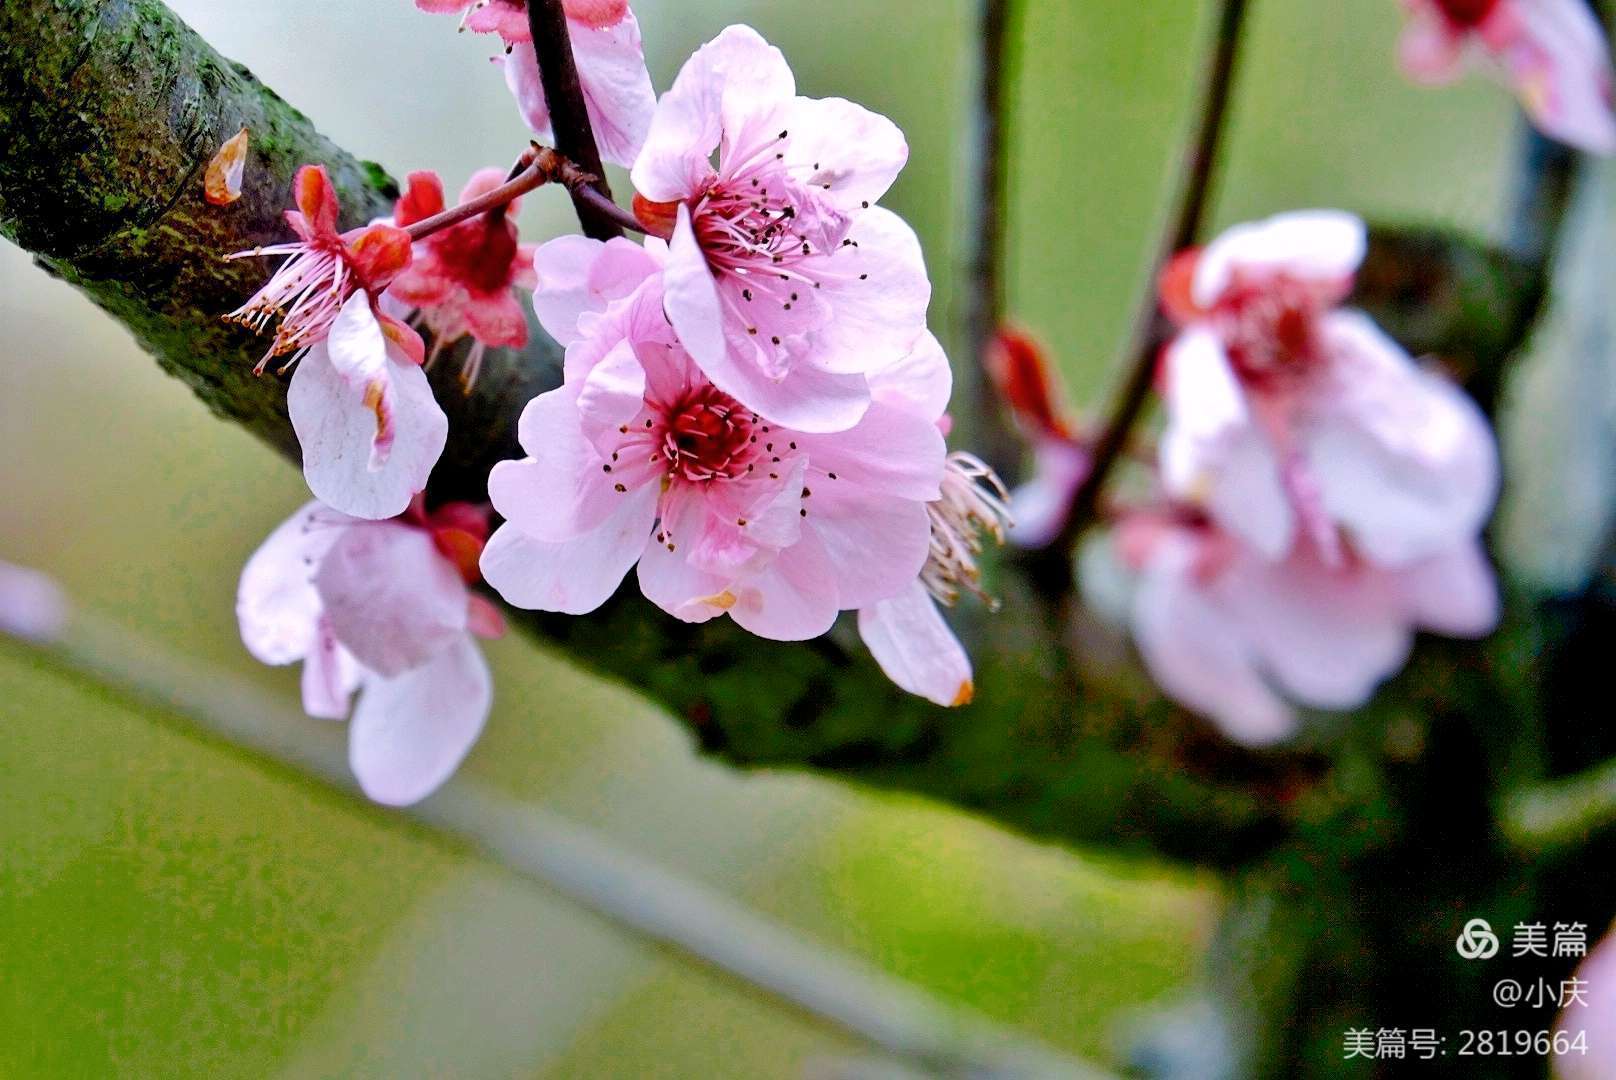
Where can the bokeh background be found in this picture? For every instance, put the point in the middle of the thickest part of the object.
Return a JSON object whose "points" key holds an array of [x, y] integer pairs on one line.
{"points": [[175, 907]]}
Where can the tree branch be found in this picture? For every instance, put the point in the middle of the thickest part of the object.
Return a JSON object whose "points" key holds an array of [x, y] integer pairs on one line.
{"points": [[109, 110], [1194, 187], [574, 135]]}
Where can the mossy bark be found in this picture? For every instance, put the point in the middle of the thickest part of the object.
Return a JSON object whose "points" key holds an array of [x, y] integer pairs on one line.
{"points": [[109, 111]]}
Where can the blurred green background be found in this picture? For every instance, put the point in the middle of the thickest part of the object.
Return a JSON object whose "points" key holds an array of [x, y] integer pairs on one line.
{"points": [[172, 907]]}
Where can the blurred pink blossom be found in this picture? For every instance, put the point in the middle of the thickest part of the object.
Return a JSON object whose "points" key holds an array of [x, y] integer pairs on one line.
{"points": [[1239, 637], [1289, 417], [32, 605], [784, 281], [1028, 385], [1595, 1015], [639, 459], [382, 608], [1553, 52]]}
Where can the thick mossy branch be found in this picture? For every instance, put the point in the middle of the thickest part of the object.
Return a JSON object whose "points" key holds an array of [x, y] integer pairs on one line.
{"points": [[109, 112]]}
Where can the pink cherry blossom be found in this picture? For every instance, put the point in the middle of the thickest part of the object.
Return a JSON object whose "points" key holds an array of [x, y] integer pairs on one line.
{"points": [[1288, 416], [1238, 637], [784, 281], [32, 605], [609, 54], [1595, 1015], [464, 278], [381, 608], [322, 270], [368, 424], [638, 459], [1553, 52]]}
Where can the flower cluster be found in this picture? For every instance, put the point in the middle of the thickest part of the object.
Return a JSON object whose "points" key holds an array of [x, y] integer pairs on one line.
{"points": [[751, 418], [1323, 494], [752, 411]]}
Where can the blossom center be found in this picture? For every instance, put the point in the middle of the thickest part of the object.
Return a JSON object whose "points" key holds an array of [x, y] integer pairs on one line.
{"points": [[1271, 326], [708, 435], [478, 254], [1467, 13]]}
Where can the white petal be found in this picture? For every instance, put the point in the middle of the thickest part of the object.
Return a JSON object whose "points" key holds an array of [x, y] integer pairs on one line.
{"points": [[1317, 245], [1453, 593], [1200, 655], [1403, 458], [1328, 636], [1039, 507], [277, 604], [355, 344], [338, 433], [1213, 453], [1560, 65], [390, 596], [410, 733], [914, 646], [330, 676], [32, 605]]}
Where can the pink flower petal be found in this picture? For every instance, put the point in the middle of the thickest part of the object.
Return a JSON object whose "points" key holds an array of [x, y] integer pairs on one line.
{"points": [[878, 546], [794, 599], [574, 576], [617, 87], [844, 150], [1430, 50], [919, 380], [577, 275], [563, 491], [410, 733], [330, 676], [914, 646], [878, 291], [891, 452], [726, 83], [1560, 64]]}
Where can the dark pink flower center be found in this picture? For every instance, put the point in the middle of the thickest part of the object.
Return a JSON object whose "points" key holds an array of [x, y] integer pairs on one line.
{"points": [[708, 435], [1270, 326], [478, 254], [1467, 13]]}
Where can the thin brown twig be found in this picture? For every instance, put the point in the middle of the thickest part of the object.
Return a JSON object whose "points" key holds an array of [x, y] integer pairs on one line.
{"points": [[537, 167], [1194, 188], [985, 295], [574, 134]]}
